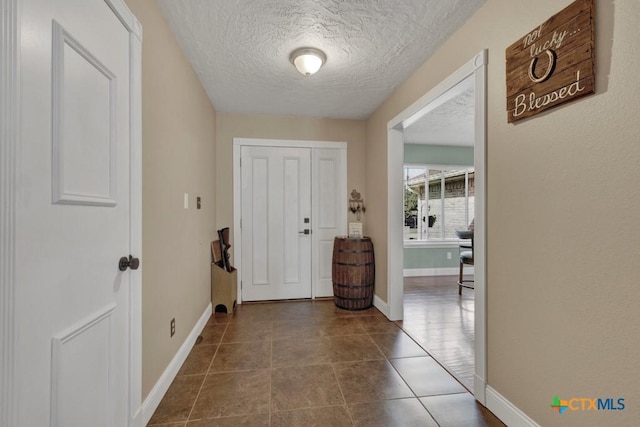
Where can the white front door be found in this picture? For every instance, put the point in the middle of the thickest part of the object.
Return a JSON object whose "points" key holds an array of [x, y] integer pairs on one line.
{"points": [[73, 216], [329, 213], [276, 211]]}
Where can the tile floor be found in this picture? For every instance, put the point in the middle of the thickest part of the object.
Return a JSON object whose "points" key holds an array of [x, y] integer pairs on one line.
{"points": [[442, 322], [309, 363]]}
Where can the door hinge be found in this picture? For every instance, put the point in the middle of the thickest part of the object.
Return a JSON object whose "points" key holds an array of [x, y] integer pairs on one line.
{"points": [[240, 284]]}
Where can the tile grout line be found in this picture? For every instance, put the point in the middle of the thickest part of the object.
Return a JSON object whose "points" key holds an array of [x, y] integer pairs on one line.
{"points": [[449, 371], [206, 373], [346, 405], [388, 360], [429, 412], [412, 391], [384, 357]]}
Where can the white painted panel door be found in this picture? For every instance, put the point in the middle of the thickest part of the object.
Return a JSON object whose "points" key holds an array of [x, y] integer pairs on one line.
{"points": [[72, 301], [276, 199], [329, 188]]}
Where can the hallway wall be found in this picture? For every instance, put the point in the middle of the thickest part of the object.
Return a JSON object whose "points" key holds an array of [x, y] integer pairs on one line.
{"points": [[178, 157], [562, 294]]}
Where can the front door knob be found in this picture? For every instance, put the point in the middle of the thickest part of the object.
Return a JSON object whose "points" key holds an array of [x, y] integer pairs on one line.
{"points": [[131, 262]]}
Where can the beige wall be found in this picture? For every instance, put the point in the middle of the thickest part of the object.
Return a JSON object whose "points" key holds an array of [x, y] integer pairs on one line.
{"points": [[280, 127], [563, 201], [178, 157]]}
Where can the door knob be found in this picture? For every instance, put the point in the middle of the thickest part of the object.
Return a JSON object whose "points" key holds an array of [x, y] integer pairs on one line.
{"points": [[306, 231], [131, 262]]}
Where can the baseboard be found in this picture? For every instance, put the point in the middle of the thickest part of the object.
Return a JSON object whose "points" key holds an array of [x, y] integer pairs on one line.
{"points": [[507, 411], [381, 305], [480, 389], [444, 271], [158, 391]]}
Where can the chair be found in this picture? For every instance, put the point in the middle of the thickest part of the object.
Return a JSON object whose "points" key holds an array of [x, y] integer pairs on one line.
{"points": [[466, 257]]}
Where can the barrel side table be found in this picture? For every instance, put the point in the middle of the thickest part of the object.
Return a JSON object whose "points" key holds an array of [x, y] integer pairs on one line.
{"points": [[353, 272]]}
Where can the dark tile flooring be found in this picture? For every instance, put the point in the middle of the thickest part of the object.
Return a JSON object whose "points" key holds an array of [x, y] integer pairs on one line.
{"points": [[309, 363], [442, 322]]}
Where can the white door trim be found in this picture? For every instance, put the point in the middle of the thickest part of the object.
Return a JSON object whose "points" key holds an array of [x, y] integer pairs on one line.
{"points": [[476, 69], [9, 156], [9, 125], [237, 188]]}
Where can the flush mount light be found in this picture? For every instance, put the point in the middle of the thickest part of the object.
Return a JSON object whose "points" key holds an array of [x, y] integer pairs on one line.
{"points": [[307, 60]]}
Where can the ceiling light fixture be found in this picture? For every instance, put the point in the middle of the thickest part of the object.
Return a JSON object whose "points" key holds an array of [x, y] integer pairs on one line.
{"points": [[308, 60]]}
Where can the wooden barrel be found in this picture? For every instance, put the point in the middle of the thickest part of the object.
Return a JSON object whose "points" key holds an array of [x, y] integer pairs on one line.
{"points": [[353, 273]]}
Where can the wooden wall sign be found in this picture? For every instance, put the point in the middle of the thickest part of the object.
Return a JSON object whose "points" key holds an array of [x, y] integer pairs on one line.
{"points": [[552, 64]]}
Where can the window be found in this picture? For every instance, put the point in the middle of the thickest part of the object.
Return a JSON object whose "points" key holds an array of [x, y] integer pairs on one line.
{"points": [[438, 200]]}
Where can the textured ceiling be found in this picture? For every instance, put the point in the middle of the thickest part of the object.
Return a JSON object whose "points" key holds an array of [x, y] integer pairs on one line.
{"points": [[240, 50], [450, 123]]}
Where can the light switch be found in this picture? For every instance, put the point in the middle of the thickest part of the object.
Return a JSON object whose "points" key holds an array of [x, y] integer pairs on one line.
{"points": [[186, 200]]}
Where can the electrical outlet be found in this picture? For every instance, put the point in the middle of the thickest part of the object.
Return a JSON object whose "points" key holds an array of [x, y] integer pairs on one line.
{"points": [[173, 326], [198, 203], [448, 255]]}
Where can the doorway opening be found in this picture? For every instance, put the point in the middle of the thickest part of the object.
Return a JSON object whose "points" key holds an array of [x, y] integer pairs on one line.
{"points": [[421, 117]]}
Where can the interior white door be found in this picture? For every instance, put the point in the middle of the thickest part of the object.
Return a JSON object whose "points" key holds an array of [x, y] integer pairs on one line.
{"points": [[276, 211], [329, 189], [72, 300]]}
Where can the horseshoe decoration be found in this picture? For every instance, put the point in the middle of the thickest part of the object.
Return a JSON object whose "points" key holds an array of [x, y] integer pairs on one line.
{"points": [[552, 65]]}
